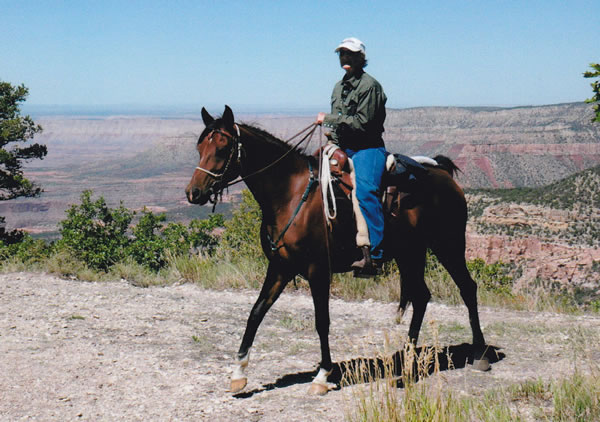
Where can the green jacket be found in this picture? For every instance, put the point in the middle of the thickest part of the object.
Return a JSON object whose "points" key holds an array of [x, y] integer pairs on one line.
{"points": [[357, 113]]}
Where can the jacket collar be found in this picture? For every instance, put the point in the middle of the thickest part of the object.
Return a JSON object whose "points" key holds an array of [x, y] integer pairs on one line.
{"points": [[353, 81]]}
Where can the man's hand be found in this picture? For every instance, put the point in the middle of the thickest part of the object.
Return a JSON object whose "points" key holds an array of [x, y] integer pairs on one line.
{"points": [[320, 118]]}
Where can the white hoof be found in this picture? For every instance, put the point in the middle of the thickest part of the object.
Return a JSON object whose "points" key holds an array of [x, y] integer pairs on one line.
{"points": [[238, 378], [482, 364], [317, 389], [238, 385], [319, 386]]}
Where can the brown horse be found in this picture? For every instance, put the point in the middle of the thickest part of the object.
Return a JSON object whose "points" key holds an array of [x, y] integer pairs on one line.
{"points": [[295, 239]]}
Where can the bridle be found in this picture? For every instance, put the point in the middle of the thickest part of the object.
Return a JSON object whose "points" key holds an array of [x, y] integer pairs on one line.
{"points": [[216, 189], [237, 146], [218, 186]]}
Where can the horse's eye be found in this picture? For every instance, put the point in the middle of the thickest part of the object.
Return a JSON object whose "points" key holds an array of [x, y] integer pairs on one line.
{"points": [[222, 152]]}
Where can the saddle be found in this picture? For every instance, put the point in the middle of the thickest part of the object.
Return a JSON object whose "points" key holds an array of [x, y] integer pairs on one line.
{"points": [[401, 178]]}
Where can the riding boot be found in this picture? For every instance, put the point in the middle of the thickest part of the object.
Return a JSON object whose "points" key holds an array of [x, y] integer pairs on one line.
{"points": [[365, 267]]}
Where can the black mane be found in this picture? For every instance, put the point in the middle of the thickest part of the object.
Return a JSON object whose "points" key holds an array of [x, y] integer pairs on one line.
{"points": [[273, 140], [259, 133]]}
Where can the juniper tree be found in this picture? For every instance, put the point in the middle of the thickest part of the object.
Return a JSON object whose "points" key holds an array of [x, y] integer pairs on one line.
{"points": [[15, 133], [596, 88]]}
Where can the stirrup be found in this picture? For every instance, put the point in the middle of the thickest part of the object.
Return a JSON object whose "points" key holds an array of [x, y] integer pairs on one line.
{"points": [[365, 267], [368, 272]]}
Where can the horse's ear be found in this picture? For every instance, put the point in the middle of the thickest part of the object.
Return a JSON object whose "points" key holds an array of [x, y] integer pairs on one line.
{"points": [[206, 118], [228, 117]]}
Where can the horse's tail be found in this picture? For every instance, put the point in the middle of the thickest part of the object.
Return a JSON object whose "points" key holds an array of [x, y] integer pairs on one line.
{"points": [[447, 164]]}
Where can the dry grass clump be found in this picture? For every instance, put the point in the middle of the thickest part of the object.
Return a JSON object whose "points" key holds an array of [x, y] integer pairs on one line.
{"points": [[408, 385], [402, 386], [217, 273]]}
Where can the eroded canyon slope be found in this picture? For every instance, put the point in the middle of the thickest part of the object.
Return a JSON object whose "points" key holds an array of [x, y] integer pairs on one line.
{"points": [[501, 147]]}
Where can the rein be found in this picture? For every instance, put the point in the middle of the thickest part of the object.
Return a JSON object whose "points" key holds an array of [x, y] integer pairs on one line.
{"points": [[307, 136]]}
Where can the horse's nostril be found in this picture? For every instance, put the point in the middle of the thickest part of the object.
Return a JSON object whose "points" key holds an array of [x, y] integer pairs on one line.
{"points": [[192, 194]]}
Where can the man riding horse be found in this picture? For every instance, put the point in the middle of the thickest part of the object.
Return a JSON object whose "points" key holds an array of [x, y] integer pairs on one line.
{"points": [[293, 232], [356, 119]]}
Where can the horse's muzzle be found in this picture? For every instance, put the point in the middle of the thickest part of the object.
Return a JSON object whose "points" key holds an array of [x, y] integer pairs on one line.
{"points": [[195, 196]]}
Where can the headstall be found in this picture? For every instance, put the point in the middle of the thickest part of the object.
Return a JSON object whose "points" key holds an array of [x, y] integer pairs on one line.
{"points": [[237, 146], [218, 187]]}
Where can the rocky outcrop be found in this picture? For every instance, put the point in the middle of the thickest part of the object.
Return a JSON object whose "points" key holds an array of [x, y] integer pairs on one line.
{"points": [[510, 214], [567, 265]]}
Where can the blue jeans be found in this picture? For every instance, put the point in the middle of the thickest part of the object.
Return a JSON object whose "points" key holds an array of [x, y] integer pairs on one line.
{"points": [[369, 166]]}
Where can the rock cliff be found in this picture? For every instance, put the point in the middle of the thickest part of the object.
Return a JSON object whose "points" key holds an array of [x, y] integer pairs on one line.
{"points": [[507, 147]]}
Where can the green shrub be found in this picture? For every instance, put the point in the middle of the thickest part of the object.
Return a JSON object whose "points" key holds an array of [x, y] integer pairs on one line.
{"points": [[147, 247], [99, 236], [201, 233], [494, 281], [26, 249], [241, 238], [153, 242], [493, 277], [95, 233]]}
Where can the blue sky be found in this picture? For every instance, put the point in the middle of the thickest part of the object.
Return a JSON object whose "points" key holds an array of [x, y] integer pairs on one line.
{"points": [[276, 55]]}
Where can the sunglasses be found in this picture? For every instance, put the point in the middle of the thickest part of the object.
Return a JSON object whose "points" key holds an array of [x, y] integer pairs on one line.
{"points": [[345, 52]]}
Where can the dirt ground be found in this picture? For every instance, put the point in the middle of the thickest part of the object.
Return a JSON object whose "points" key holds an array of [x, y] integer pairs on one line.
{"points": [[72, 350]]}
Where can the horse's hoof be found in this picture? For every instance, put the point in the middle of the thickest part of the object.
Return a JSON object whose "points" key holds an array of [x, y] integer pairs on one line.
{"points": [[238, 385], [317, 389], [482, 364]]}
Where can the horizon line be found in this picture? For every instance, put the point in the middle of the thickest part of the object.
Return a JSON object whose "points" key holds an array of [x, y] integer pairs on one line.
{"points": [[157, 110]]}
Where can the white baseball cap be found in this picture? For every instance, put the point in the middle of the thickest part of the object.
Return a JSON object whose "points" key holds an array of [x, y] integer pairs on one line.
{"points": [[352, 44]]}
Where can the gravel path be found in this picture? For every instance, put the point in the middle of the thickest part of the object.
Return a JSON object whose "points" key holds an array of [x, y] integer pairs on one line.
{"points": [[72, 350]]}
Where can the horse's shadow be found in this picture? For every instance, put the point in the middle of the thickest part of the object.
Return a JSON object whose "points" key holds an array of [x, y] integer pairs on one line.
{"points": [[449, 358]]}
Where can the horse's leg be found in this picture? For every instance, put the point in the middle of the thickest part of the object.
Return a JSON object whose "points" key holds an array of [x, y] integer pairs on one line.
{"points": [[452, 258], [404, 300], [275, 281], [319, 287], [411, 262]]}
